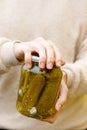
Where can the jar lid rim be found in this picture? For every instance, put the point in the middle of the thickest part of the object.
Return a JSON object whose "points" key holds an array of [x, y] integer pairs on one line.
{"points": [[35, 59]]}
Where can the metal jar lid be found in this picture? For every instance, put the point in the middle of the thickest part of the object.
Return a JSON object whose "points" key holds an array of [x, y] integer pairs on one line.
{"points": [[35, 59]]}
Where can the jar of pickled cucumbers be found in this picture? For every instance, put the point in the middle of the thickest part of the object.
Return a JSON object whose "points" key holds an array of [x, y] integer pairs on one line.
{"points": [[38, 90]]}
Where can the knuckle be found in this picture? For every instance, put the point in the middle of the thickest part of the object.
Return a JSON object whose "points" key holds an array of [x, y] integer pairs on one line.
{"points": [[27, 50], [49, 46], [40, 39], [51, 61], [50, 42]]}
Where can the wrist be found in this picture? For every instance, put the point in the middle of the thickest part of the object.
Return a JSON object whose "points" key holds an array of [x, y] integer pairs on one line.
{"points": [[7, 54], [18, 52]]}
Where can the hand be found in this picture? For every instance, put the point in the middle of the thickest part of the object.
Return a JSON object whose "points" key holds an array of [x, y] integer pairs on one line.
{"points": [[61, 100], [49, 54]]}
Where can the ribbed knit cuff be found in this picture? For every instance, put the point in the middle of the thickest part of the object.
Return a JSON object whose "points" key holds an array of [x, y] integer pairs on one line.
{"points": [[7, 54]]}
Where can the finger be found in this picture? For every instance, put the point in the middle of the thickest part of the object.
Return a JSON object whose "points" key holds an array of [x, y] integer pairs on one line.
{"points": [[42, 56], [58, 59], [49, 54], [49, 51], [27, 58], [62, 98], [40, 49], [50, 57]]}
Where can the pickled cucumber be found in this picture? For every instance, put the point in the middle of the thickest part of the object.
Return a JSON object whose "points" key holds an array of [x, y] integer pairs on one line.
{"points": [[30, 98], [46, 104], [22, 78], [25, 79]]}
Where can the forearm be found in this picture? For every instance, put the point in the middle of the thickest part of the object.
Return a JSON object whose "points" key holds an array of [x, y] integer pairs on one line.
{"points": [[7, 57]]}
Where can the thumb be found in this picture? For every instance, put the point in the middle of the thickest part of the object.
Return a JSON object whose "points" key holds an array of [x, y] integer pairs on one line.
{"points": [[62, 96]]}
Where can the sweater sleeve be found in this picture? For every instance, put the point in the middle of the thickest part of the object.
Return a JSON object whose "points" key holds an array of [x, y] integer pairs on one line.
{"points": [[7, 57], [77, 72]]}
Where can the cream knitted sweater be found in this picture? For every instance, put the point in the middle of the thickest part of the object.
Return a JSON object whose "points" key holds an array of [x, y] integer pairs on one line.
{"points": [[64, 22]]}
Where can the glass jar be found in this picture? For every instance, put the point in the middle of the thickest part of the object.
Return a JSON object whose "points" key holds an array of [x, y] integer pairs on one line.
{"points": [[38, 90]]}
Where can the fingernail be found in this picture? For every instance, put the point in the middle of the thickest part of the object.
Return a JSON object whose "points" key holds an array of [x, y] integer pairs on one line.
{"points": [[42, 65], [28, 65], [50, 65], [58, 63]]}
